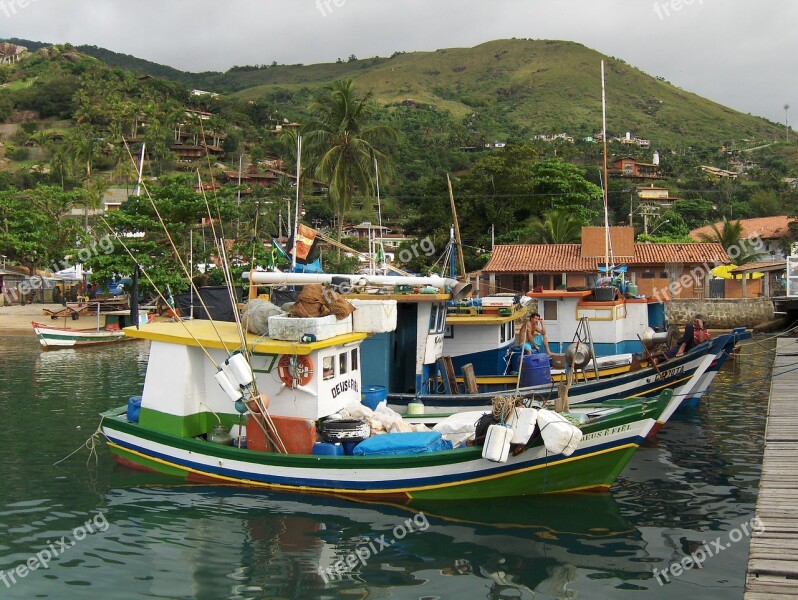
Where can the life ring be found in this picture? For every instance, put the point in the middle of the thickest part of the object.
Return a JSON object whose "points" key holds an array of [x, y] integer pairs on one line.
{"points": [[295, 370]]}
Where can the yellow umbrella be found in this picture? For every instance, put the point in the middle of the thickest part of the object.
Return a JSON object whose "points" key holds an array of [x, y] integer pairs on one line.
{"points": [[724, 272]]}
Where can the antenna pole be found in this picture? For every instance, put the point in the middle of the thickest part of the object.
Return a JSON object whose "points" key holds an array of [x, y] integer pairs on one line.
{"points": [[604, 136]]}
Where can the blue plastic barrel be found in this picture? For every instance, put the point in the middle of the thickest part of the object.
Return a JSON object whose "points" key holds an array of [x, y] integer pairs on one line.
{"points": [[536, 370], [133, 408], [373, 395], [328, 449]]}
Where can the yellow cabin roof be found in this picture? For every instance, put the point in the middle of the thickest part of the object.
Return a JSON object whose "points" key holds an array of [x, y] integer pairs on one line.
{"points": [[223, 334]]}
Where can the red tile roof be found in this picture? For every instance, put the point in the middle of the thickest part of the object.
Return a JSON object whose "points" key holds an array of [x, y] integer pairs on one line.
{"points": [[567, 258], [768, 228]]}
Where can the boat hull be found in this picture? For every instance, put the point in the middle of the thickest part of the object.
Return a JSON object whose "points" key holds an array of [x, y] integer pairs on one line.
{"points": [[447, 475], [55, 337], [683, 375]]}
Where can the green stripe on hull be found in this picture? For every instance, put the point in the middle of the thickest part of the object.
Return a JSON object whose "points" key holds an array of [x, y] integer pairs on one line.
{"points": [[590, 472]]}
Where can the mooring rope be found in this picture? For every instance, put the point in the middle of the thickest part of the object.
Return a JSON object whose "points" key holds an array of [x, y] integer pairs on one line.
{"points": [[90, 443]]}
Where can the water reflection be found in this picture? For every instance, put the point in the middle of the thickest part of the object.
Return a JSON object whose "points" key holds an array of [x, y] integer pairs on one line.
{"points": [[237, 543]]}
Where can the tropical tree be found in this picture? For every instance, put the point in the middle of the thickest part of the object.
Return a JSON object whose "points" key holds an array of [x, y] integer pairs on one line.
{"points": [[344, 140], [558, 226], [730, 235]]}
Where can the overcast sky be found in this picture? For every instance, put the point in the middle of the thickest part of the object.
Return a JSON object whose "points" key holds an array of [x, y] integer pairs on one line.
{"points": [[740, 53]]}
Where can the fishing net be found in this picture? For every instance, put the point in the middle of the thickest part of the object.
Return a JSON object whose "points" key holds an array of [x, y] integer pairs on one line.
{"points": [[317, 301]]}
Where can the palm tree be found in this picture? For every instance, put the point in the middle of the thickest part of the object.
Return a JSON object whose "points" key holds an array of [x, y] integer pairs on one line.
{"points": [[730, 235], [557, 227], [343, 140]]}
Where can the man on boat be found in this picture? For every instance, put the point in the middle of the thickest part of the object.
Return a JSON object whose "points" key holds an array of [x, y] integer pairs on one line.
{"points": [[695, 333], [534, 335]]}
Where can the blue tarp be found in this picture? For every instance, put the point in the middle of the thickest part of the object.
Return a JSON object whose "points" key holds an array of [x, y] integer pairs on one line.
{"points": [[416, 442]]}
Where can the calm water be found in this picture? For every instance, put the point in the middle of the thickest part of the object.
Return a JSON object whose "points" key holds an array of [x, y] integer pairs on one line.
{"points": [[117, 533]]}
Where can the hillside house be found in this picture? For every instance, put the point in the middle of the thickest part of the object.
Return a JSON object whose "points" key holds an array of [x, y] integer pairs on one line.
{"points": [[655, 196], [11, 53], [629, 167], [717, 173], [191, 152]]}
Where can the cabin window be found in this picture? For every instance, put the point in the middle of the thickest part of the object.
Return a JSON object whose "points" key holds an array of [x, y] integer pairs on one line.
{"points": [[327, 367], [342, 363], [354, 359], [448, 332], [437, 318], [549, 310], [506, 332]]}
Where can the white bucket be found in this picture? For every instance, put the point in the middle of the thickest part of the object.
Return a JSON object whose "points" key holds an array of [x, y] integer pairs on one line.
{"points": [[497, 443], [415, 409], [522, 421], [559, 435]]}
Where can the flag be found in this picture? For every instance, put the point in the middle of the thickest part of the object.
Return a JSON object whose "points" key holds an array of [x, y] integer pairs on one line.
{"points": [[278, 250], [305, 243], [380, 254]]}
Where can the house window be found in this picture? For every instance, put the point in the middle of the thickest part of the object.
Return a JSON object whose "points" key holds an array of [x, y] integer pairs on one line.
{"points": [[520, 283]]}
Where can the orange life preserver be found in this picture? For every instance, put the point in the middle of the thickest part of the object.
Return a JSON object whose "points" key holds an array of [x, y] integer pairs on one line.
{"points": [[295, 370]]}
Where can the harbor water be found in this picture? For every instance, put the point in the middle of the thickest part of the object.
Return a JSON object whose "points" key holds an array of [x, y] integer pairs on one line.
{"points": [[87, 528]]}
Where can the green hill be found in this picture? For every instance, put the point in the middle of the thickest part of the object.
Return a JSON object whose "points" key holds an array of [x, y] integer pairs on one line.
{"points": [[534, 86], [505, 88]]}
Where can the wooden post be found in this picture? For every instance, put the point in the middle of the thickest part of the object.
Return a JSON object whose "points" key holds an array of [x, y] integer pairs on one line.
{"points": [[456, 230]]}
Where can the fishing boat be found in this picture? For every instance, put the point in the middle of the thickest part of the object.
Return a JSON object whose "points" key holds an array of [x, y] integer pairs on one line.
{"points": [[61, 337], [107, 329], [205, 378]]}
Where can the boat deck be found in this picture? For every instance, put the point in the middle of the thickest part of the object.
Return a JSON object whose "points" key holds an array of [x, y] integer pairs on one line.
{"points": [[773, 559]]}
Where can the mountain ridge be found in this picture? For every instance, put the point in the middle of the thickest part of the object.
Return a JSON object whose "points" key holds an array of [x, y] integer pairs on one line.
{"points": [[516, 88]]}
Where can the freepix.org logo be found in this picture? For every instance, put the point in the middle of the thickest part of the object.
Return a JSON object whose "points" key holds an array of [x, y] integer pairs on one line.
{"points": [[10, 7], [54, 549]]}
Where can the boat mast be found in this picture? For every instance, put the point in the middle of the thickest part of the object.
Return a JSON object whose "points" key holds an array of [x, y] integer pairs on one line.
{"points": [[296, 206], [380, 254], [604, 187], [456, 231], [141, 169]]}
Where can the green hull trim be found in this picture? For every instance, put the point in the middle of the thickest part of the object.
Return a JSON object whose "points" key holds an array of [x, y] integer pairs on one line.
{"points": [[188, 426]]}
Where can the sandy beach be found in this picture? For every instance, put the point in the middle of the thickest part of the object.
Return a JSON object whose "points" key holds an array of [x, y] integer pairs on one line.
{"points": [[16, 319]]}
